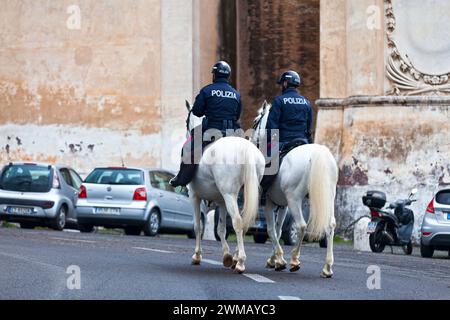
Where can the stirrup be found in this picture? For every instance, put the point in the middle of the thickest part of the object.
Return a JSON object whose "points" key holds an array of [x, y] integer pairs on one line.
{"points": [[174, 183]]}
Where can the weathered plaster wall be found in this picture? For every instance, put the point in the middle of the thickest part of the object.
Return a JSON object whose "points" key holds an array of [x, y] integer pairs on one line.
{"points": [[380, 142], [392, 144], [90, 86], [112, 89]]}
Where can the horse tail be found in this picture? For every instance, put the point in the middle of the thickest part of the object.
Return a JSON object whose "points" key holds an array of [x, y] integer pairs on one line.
{"points": [[322, 192], [251, 189]]}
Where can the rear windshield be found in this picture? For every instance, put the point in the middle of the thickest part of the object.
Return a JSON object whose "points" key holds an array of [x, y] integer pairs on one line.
{"points": [[116, 176], [443, 197], [26, 178]]}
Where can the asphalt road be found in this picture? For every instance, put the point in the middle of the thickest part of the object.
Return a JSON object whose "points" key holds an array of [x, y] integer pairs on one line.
{"points": [[34, 263]]}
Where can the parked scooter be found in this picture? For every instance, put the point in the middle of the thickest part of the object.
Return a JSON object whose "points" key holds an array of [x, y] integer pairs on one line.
{"points": [[390, 228]]}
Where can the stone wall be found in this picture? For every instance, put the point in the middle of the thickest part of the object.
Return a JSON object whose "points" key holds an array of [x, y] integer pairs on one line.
{"points": [[275, 36], [389, 127], [101, 82], [391, 144]]}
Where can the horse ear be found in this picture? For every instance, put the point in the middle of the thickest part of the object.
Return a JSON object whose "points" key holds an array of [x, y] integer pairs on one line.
{"points": [[265, 105], [188, 106]]}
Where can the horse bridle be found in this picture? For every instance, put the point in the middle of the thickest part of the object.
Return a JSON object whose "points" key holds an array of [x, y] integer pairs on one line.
{"points": [[256, 125]]}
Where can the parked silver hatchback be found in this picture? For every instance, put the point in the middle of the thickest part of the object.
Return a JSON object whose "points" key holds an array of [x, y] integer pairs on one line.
{"points": [[135, 199], [37, 194], [435, 233]]}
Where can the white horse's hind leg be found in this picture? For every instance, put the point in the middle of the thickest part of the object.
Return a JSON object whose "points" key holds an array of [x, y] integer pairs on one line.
{"points": [[295, 208], [233, 210], [327, 271], [222, 232], [276, 260], [197, 257], [281, 216]]}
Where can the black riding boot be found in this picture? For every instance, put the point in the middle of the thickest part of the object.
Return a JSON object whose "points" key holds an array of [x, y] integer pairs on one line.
{"points": [[184, 176], [266, 182]]}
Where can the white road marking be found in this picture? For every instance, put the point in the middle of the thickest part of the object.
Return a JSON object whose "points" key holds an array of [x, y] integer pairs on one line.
{"points": [[153, 250], [258, 278], [216, 263], [77, 240], [289, 298]]}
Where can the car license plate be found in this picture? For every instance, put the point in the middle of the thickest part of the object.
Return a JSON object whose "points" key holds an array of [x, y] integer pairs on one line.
{"points": [[113, 211], [19, 210], [372, 227]]}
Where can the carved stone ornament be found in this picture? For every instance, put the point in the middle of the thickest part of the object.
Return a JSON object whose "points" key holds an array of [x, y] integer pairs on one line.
{"points": [[405, 78]]}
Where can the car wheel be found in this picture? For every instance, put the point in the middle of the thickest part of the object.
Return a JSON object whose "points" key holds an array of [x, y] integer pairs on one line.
{"points": [[27, 225], [290, 237], [60, 221], [191, 234], [260, 238], [153, 224], [86, 228], [216, 225], [408, 249], [323, 243], [376, 246], [133, 231], [426, 251]]}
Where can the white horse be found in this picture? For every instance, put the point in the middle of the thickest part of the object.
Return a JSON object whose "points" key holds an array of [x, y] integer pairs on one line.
{"points": [[308, 169], [225, 167]]}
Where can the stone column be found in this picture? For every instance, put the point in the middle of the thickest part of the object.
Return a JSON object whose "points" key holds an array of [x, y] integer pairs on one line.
{"points": [[176, 75], [375, 111]]}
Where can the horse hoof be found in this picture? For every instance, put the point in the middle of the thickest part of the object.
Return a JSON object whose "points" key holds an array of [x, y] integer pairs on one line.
{"points": [[294, 268], [196, 260], [269, 265], [326, 276], [227, 260], [239, 269], [233, 266], [280, 267]]}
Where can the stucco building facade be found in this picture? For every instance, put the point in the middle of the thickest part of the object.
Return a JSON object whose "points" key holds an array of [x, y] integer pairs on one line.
{"points": [[94, 83]]}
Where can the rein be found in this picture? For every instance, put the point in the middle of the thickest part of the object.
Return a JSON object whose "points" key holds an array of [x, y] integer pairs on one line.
{"points": [[188, 120]]}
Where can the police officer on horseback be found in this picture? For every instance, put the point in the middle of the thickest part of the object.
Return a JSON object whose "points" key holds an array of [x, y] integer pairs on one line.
{"points": [[220, 105], [292, 115]]}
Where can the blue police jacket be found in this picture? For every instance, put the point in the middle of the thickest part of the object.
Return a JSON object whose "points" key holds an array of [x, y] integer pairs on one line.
{"points": [[221, 105], [292, 115]]}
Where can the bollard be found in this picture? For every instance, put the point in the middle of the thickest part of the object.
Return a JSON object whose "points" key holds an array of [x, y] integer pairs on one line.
{"points": [[360, 235], [209, 227]]}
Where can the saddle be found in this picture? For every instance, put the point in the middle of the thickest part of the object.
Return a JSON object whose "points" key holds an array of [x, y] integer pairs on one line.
{"points": [[288, 147]]}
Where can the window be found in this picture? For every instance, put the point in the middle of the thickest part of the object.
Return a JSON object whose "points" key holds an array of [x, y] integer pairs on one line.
{"points": [[160, 180], [116, 176], [443, 197], [76, 180], [26, 178], [66, 176]]}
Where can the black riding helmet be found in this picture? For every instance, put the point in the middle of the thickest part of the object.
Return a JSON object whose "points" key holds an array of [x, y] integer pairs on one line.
{"points": [[293, 79], [221, 70]]}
